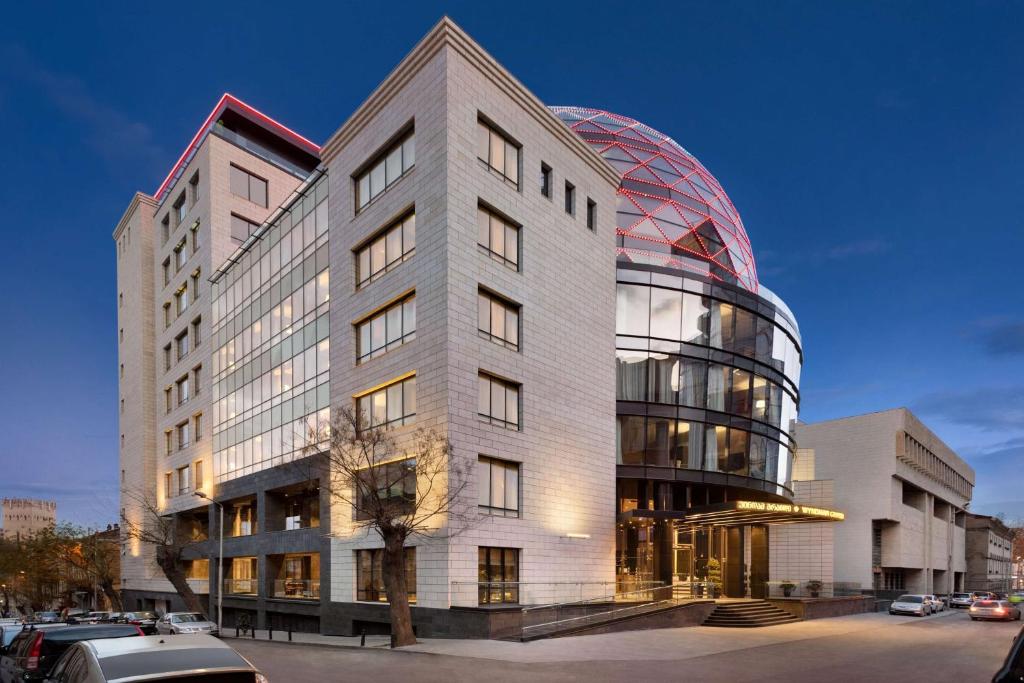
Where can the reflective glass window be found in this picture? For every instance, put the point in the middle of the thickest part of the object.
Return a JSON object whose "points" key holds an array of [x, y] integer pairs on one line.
{"points": [[631, 375], [666, 313], [390, 165]]}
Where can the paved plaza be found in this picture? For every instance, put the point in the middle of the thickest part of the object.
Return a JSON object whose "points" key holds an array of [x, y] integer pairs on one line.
{"points": [[866, 647]]}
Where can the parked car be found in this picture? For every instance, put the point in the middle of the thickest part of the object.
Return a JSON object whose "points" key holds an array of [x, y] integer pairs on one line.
{"points": [[1012, 670], [34, 651], [144, 620], [154, 658], [960, 600], [917, 605], [96, 617], [994, 609], [173, 623], [1016, 598], [45, 617], [936, 603], [983, 595]]}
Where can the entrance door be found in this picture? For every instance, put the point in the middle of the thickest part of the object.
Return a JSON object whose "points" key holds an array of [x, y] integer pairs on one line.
{"points": [[759, 562], [682, 571]]}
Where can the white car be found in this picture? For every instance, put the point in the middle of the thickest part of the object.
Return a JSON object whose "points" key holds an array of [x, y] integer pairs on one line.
{"points": [[918, 605], [938, 605], [153, 658], [174, 623]]}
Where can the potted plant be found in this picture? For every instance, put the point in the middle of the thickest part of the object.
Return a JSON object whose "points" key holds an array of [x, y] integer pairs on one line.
{"points": [[814, 587], [787, 588], [714, 577]]}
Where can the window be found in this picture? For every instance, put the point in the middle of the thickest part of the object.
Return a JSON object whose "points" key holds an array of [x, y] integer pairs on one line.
{"points": [[168, 399], [545, 180], [183, 435], [184, 480], [122, 406], [591, 214], [180, 209], [498, 401], [196, 326], [195, 284], [498, 320], [183, 390], [389, 248], [193, 186], [181, 300], [167, 357], [392, 405], [122, 371], [499, 153], [165, 226], [387, 329], [195, 236], [499, 486], [168, 441], [180, 256], [570, 198], [370, 576], [167, 271], [241, 518], [181, 345], [244, 576], [241, 228], [248, 186], [168, 483], [168, 318], [197, 427], [120, 299], [197, 372], [499, 237], [498, 575], [120, 335], [385, 169], [392, 486]]}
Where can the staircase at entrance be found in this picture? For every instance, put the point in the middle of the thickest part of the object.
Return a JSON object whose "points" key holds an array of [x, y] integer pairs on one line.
{"points": [[748, 614]]}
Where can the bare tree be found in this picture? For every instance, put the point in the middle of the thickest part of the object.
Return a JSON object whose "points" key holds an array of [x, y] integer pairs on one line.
{"points": [[398, 491], [94, 554], [169, 535]]}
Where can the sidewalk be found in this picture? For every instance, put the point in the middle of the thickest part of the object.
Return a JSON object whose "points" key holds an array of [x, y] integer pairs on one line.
{"points": [[311, 638], [655, 644]]}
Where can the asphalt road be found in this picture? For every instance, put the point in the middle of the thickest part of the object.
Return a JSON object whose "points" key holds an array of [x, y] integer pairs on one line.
{"points": [[935, 649]]}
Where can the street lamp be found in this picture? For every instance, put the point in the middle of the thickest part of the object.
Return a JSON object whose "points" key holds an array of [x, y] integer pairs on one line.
{"points": [[220, 561]]}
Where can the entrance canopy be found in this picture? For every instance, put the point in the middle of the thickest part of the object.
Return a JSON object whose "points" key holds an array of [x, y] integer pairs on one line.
{"points": [[742, 513]]}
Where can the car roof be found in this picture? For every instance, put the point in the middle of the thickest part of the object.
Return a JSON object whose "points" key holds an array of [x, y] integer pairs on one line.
{"points": [[122, 646]]}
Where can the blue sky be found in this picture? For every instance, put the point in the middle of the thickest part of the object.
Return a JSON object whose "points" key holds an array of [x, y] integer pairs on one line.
{"points": [[873, 150]]}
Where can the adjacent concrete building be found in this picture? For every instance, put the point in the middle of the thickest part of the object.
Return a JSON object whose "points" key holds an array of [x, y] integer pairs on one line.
{"points": [[990, 561], [23, 517], [905, 495]]}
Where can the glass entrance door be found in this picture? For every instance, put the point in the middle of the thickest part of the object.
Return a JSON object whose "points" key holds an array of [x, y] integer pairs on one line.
{"points": [[682, 571]]}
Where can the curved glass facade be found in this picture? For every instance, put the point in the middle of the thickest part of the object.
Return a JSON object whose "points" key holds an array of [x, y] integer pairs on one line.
{"points": [[707, 380]]}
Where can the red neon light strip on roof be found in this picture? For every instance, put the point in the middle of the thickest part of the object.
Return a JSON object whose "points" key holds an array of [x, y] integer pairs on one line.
{"points": [[226, 99]]}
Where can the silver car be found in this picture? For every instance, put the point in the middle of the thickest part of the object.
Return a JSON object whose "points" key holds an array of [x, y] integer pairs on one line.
{"points": [[994, 609], [153, 658], [937, 603], [917, 605], [960, 600], [174, 623]]}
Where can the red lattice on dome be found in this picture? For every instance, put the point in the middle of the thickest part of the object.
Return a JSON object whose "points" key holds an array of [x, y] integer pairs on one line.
{"points": [[672, 211]]}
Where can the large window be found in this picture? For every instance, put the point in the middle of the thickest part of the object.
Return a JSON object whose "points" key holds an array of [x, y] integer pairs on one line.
{"points": [[181, 345], [241, 228], [499, 487], [387, 329], [391, 247], [248, 186], [183, 390], [498, 319], [499, 237], [498, 152], [389, 488], [184, 480], [370, 575], [498, 401], [498, 575], [184, 434], [241, 518], [385, 170], [393, 405], [243, 576]]}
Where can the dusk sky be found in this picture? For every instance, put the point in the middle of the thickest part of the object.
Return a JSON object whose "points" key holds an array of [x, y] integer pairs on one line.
{"points": [[873, 150]]}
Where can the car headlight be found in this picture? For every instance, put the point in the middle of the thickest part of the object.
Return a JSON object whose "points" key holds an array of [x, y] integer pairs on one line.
{"points": [[260, 678]]}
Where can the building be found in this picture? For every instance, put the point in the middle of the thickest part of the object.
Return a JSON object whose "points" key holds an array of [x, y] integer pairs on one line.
{"points": [[24, 517], [989, 554], [905, 495], [429, 261]]}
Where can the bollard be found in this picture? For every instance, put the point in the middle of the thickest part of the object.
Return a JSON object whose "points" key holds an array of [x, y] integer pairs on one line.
{"points": [[289, 634], [362, 639], [236, 631], [392, 641], [253, 632], [270, 632]]}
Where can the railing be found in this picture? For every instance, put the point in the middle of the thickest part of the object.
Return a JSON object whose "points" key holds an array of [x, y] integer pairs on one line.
{"points": [[475, 593], [810, 589], [241, 586], [297, 589], [543, 620], [199, 585], [259, 150]]}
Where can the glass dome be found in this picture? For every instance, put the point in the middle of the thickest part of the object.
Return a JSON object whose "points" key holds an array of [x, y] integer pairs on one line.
{"points": [[672, 211]]}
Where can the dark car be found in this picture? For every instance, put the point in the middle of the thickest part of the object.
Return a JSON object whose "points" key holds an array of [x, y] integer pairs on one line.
{"points": [[144, 620], [1013, 668], [34, 651]]}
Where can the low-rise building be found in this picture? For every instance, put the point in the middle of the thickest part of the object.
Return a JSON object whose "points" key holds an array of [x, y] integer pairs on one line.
{"points": [[989, 554], [26, 516], [905, 495]]}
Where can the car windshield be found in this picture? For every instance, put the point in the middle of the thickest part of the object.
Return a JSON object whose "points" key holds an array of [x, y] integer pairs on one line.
{"points": [[187, 618], [961, 595], [910, 598], [145, 615]]}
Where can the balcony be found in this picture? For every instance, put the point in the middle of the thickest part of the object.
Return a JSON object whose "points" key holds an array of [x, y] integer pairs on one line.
{"points": [[297, 589], [246, 587]]}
